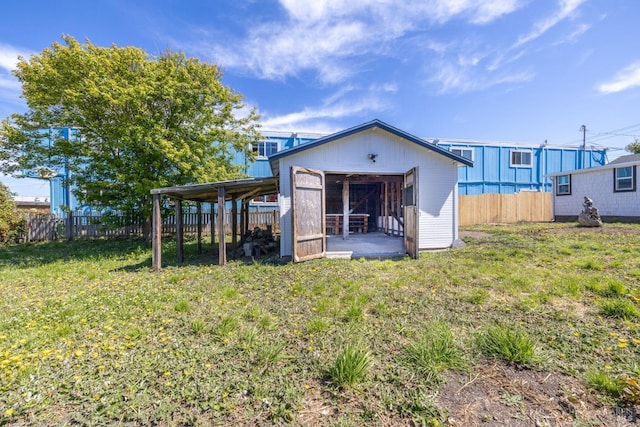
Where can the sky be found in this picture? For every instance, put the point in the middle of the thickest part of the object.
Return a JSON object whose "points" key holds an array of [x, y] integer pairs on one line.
{"points": [[487, 70]]}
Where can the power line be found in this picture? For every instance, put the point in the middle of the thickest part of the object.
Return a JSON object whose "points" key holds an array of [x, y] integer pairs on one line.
{"points": [[601, 136]]}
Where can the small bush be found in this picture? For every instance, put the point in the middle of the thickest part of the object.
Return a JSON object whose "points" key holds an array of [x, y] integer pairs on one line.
{"points": [[12, 223], [351, 366], [508, 343]]}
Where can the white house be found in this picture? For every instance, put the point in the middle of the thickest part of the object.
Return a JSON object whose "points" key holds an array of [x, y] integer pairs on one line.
{"points": [[398, 183], [613, 189]]}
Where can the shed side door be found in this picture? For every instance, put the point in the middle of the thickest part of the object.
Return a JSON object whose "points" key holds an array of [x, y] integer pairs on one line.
{"points": [[308, 214], [411, 212]]}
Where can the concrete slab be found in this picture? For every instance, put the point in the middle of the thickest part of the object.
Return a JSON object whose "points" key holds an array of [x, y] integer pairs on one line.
{"points": [[370, 245]]}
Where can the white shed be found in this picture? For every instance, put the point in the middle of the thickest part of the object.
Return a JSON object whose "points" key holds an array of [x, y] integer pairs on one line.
{"points": [[613, 189], [362, 183]]}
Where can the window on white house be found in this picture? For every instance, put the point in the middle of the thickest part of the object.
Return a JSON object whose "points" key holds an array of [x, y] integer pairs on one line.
{"points": [[563, 185], [624, 179], [521, 158], [265, 148], [467, 153]]}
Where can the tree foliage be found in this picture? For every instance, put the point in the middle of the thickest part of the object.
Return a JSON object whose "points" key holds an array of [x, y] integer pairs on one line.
{"points": [[12, 223], [143, 122], [633, 147]]}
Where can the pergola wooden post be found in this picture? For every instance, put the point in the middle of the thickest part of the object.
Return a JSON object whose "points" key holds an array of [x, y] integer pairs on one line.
{"points": [[246, 215], [199, 222], [243, 224], [222, 246], [234, 224], [212, 223], [179, 232], [156, 235]]}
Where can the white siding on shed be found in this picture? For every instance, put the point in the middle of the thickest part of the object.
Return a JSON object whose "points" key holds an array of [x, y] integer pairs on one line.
{"points": [[438, 177]]}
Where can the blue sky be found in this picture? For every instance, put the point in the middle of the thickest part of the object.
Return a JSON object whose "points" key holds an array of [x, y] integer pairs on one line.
{"points": [[496, 70]]}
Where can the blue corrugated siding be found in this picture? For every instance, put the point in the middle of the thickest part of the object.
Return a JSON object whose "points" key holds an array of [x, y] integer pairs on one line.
{"points": [[492, 171]]}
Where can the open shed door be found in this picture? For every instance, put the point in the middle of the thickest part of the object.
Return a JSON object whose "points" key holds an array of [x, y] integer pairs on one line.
{"points": [[411, 212], [308, 213]]}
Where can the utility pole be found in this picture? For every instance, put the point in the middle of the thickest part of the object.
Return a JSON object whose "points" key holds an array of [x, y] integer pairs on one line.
{"points": [[583, 128]]}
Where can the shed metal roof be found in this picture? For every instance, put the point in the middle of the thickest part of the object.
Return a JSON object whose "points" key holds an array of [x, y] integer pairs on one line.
{"points": [[208, 192]]}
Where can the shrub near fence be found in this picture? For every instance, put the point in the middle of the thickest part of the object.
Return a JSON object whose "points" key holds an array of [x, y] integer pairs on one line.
{"points": [[43, 227]]}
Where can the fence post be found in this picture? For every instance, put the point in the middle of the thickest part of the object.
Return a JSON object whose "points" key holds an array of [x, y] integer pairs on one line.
{"points": [[70, 224]]}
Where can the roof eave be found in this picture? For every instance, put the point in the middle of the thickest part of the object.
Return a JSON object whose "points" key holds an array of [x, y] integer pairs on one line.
{"points": [[273, 159]]}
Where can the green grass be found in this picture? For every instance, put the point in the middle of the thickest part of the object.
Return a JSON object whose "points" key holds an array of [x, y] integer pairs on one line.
{"points": [[89, 335]]}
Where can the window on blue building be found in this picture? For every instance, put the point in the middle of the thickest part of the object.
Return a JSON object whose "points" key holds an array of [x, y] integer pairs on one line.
{"points": [[563, 185], [521, 158], [624, 179], [265, 148], [467, 153]]}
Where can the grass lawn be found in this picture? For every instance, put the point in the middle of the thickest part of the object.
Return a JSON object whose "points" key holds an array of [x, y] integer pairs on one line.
{"points": [[525, 324]]}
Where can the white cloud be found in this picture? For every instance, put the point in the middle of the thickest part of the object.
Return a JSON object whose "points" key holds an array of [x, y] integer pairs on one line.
{"points": [[567, 8], [452, 78], [627, 78], [574, 35], [488, 11], [9, 85], [341, 104], [9, 56], [334, 37]]}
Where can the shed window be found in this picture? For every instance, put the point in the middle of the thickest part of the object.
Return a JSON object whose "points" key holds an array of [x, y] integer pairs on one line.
{"points": [[521, 158], [563, 185], [624, 179], [467, 153], [265, 148]]}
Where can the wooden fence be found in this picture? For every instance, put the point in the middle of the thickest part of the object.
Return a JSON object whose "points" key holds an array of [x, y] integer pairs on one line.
{"points": [[481, 209], [526, 206], [42, 227]]}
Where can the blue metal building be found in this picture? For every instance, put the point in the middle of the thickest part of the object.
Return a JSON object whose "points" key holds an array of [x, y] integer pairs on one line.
{"points": [[507, 168], [499, 167]]}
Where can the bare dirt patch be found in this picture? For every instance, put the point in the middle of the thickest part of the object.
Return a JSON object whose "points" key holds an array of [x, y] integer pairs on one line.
{"points": [[473, 234], [501, 395]]}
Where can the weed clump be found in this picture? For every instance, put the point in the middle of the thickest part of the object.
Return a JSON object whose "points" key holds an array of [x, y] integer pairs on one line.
{"points": [[351, 366], [619, 308], [511, 344], [434, 352]]}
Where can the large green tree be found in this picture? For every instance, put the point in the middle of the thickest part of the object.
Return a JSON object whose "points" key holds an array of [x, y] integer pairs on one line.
{"points": [[143, 122], [634, 147]]}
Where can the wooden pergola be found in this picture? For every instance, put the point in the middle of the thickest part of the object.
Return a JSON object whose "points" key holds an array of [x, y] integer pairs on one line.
{"points": [[241, 190]]}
